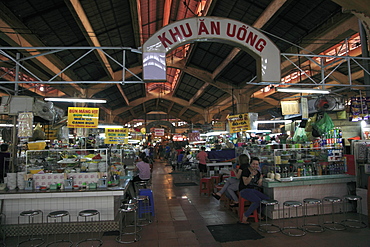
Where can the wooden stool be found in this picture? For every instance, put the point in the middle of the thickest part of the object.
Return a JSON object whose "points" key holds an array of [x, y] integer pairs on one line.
{"points": [[205, 186], [242, 203]]}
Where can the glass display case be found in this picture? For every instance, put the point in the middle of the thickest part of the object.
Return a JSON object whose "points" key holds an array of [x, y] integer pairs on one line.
{"points": [[66, 161], [308, 162], [121, 159]]}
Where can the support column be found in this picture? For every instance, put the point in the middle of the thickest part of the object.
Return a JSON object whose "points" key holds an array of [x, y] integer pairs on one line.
{"points": [[242, 101]]}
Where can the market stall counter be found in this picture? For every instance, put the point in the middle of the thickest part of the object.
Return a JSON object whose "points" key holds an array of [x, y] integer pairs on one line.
{"points": [[105, 200], [299, 188]]}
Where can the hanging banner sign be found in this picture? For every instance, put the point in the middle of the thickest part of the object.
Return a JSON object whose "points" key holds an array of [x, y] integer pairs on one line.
{"points": [[219, 126], [83, 117], [210, 29], [159, 132], [240, 123], [116, 136], [25, 122], [50, 132], [194, 137]]}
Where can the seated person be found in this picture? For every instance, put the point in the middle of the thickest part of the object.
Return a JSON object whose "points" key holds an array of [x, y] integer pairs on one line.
{"points": [[232, 183], [249, 188], [142, 168]]}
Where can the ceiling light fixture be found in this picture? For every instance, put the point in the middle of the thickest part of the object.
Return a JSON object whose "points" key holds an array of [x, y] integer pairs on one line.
{"points": [[78, 100], [273, 121], [302, 90], [104, 126]]}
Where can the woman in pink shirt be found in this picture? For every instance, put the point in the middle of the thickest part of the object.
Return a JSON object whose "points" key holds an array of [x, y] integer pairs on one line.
{"points": [[202, 156]]}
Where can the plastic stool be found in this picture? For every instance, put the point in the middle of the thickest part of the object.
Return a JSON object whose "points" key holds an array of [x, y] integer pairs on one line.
{"points": [[287, 229], [264, 227], [241, 210], [333, 225], [215, 181], [124, 211], [55, 215], [354, 223], [149, 193], [312, 227], [31, 214], [205, 186], [143, 210], [89, 213]]}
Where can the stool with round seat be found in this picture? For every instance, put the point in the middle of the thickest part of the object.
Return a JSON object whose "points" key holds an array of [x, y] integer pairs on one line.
{"points": [[2, 222], [125, 211], [91, 214], [353, 222], [205, 186], [58, 226], [312, 227], [333, 225], [293, 231], [144, 211], [30, 215], [268, 227]]}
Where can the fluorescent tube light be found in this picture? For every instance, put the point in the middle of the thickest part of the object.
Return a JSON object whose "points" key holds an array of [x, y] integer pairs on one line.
{"points": [[258, 131], [78, 100], [273, 121], [103, 126], [302, 90]]}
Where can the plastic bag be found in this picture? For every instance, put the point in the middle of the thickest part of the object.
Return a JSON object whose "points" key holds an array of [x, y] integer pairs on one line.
{"points": [[300, 135], [323, 125]]}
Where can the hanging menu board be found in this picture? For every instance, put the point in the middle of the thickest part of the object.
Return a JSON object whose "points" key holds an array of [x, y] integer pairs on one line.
{"points": [[116, 136], [83, 117]]}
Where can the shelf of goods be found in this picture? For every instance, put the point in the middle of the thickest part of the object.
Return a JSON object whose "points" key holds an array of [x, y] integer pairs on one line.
{"points": [[308, 162]]}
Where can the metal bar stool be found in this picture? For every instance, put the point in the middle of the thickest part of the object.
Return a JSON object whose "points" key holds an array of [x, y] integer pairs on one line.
{"points": [[268, 227], [124, 211], [312, 227], [55, 215], [351, 222], [144, 212], [89, 213], [143, 184], [293, 231], [31, 214], [333, 225], [2, 222]]}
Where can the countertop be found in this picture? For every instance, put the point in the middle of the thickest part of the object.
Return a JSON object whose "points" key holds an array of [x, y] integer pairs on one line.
{"points": [[311, 180]]}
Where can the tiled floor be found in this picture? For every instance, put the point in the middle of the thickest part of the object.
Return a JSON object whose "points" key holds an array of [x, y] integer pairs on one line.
{"points": [[182, 216]]}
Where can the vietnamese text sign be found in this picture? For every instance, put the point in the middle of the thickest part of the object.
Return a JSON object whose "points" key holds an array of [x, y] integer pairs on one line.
{"points": [[83, 117], [210, 29], [116, 135], [219, 126], [25, 122], [194, 137], [159, 132], [239, 124]]}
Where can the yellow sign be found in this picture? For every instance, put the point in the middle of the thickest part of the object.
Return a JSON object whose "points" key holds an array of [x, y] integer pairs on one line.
{"points": [[241, 116], [219, 126], [241, 123], [50, 133], [83, 117], [116, 136]]}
